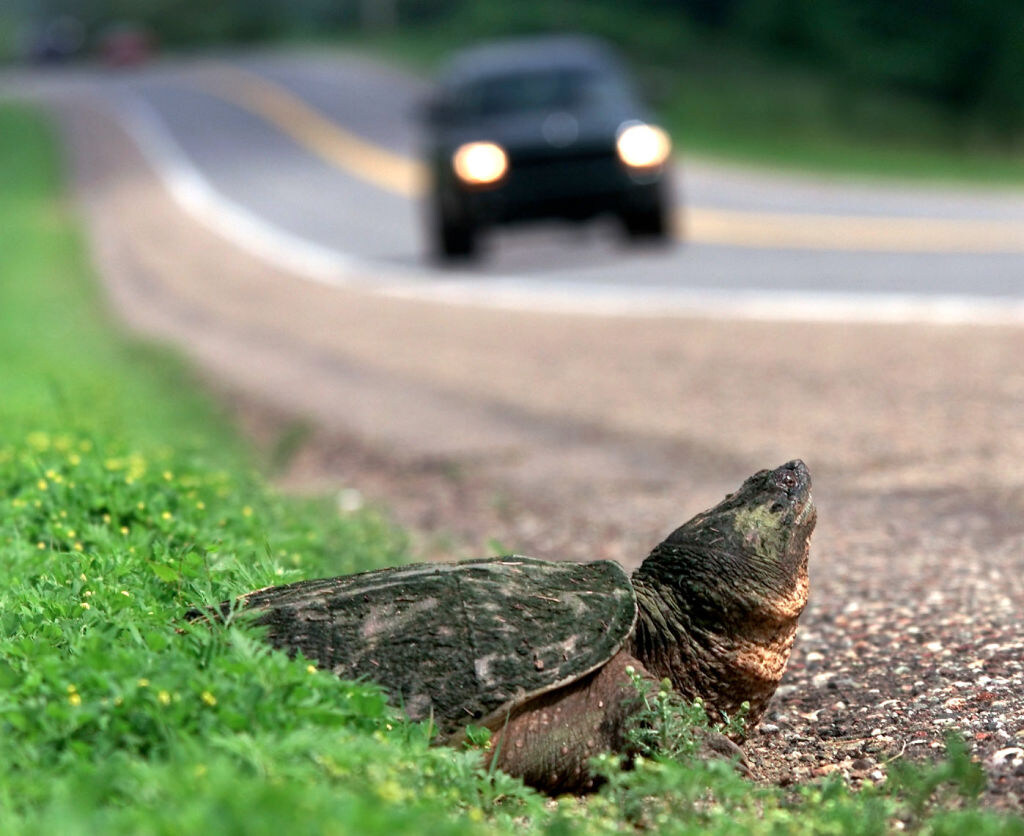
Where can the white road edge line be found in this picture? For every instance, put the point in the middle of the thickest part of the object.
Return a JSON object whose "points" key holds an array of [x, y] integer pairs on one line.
{"points": [[324, 265]]}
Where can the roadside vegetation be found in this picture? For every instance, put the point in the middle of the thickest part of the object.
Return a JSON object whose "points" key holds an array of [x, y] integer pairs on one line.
{"points": [[859, 86], [126, 498]]}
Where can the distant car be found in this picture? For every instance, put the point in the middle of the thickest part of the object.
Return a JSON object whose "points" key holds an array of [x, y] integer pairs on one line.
{"points": [[126, 45], [541, 128]]}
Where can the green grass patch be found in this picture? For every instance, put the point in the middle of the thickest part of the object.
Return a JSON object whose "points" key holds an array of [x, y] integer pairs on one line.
{"points": [[124, 501]]}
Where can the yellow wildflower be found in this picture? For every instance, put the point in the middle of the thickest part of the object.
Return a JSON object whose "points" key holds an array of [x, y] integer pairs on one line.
{"points": [[209, 698], [42, 485], [143, 682], [247, 511], [164, 697], [75, 699]]}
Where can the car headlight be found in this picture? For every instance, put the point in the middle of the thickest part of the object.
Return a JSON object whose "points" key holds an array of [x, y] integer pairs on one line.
{"points": [[640, 145], [480, 163]]}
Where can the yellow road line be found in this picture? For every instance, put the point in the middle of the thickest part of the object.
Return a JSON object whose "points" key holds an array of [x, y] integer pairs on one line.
{"points": [[317, 133], [736, 228]]}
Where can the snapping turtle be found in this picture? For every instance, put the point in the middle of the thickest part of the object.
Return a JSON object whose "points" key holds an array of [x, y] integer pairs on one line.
{"points": [[537, 651]]}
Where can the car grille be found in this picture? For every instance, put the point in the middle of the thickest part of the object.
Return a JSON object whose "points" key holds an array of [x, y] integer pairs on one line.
{"points": [[558, 172]]}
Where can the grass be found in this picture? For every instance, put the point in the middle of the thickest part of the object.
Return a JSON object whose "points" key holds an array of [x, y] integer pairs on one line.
{"points": [[124, 500]]}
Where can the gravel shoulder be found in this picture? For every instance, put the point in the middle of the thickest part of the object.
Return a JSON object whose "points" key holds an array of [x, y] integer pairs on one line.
{"points": [[588, 437]]}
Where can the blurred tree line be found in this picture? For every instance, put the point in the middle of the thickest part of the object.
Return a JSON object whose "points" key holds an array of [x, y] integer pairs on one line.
{"points": [[964, 56]]}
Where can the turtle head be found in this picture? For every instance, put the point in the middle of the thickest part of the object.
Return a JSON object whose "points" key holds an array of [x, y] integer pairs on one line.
{"points": [[750, 551], [721, 595], [769, 521]]}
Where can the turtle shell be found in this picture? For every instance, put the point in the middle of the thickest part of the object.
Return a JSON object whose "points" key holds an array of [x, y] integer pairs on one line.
{"points": [[463, 643]]}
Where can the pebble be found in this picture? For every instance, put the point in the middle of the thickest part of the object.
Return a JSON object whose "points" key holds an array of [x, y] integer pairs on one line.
{"points": [[1012, 756]]}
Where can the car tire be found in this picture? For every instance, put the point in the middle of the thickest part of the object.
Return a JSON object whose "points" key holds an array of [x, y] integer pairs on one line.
{"points": [[455, 239], [648, 225]]}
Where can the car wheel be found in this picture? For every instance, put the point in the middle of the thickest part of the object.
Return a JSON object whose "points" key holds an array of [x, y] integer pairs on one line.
{"points": [[647, 225], [455, 238]]}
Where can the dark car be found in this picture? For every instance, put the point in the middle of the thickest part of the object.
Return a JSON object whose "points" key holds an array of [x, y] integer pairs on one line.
{"points": [[541, 128], [126, 45]]}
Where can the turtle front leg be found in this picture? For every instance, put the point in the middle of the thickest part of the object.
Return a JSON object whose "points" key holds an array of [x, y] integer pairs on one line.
{"points": [[549, 740]]}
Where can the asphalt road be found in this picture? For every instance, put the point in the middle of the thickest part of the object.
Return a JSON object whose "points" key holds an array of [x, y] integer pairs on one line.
{"points": [[317, 153]]}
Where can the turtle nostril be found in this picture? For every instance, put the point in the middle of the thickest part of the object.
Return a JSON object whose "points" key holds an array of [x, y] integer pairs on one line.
{"points": [[786, 480]]}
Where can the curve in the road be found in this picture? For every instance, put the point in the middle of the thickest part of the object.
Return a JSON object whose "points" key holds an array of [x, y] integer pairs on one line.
{"points": [[396, 173]]}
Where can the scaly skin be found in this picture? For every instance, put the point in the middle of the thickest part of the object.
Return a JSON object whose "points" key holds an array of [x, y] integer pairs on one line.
{"points": [[718, 606], [720, 597], [550, 739]]}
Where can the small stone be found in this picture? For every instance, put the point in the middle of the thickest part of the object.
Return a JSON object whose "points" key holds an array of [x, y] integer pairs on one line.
{"points": [[350, 500], [1009, 756]]}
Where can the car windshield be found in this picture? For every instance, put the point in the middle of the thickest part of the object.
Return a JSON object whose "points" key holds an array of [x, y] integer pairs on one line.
{"points": [[560, 89]]}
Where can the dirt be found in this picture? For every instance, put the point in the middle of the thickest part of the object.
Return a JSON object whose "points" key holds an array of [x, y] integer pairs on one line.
{"points": [[583, 437]]}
